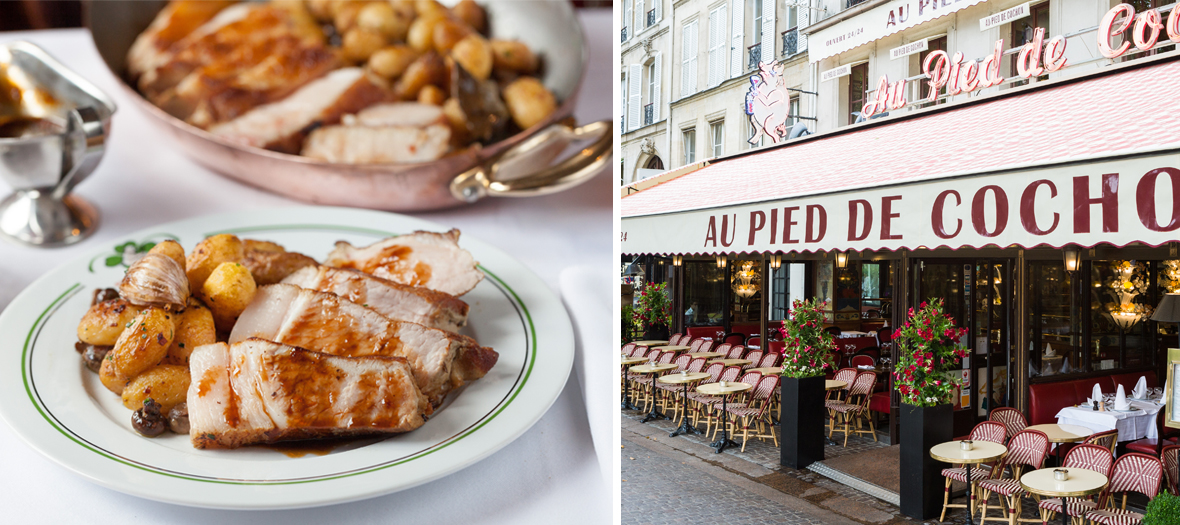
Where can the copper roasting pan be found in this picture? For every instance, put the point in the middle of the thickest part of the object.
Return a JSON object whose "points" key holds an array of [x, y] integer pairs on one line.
{"points": [[522, 165]]}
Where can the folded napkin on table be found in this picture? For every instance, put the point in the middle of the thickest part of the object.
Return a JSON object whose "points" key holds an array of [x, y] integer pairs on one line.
{"points": [[1120, 400], [1140, 390], [585, 291], [865, 367], [1095, 395], [1049, 351]]}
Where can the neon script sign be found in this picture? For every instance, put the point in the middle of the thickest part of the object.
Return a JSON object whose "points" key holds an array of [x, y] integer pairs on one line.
{"points": [[1035, 58]]}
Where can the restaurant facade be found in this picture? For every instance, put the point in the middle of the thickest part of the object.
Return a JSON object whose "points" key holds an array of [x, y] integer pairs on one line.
{"points": [[1018, 161]]}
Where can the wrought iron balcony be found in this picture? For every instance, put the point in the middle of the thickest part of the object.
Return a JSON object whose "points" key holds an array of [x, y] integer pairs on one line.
{"points": [[790, 42], [648, 114], [651, 18], [624, 34], [755, 56]]}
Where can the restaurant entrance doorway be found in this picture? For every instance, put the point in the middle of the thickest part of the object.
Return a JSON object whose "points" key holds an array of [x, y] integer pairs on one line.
{"points": [[978, 294]]}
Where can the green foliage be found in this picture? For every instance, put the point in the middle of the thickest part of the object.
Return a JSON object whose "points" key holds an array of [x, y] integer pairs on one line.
{"points": [[654, 308], [628, 320], [1164, 509], [927, 367], [807, 348]]}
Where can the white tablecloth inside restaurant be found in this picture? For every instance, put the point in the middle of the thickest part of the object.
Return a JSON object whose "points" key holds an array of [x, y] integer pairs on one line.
{"points": [[1131, 425], [550, 472]]}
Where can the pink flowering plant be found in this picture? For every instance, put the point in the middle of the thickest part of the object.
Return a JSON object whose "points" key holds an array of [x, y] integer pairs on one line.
{"points": [[807, 348], [653, 308], [926, 372]]}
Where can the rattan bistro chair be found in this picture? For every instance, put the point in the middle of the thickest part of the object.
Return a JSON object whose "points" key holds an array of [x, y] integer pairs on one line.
{"points": [[1171, 458], [1107, 439], [1087, 456], [985, 431], [1132, 472], [1028, 448], [755, 414], [854, 408], [1012, 419]]}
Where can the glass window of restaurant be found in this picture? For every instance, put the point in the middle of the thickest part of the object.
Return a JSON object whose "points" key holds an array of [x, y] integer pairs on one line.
{"points": [[746, 287], [938, 44], [858, 85], [1140, 6], [1022, 33], [703, 293], [1095, 321]]}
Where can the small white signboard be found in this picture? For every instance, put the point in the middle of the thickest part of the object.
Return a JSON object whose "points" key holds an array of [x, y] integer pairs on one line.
{"points": [[838, 72], [909, 49], [1003, 17]]}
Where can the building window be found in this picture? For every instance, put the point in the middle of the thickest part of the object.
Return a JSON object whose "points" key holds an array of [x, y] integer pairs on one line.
{"points": [[757, 22], [623, 104], [858, 85], [688, 59], [649, 109], [1022, 33], [717, 46], [938, 44], [792, 113], [690, 145], [654, 163], [717, 132], [1140, 6]]}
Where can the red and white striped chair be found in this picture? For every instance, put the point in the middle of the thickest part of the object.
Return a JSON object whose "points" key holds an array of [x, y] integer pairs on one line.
{"points": [[754, 414], [699, 345], [754, 357], [723, 349], [1087, 456], [707, 402], [735, 352], [856, 406], [1171, 457], [1132, 472], [770, 359], [1028, 448], [1108, 439], [985, 431], [628, 348], [674, 339], [1012, 419], [846, 375], [714, 370]]}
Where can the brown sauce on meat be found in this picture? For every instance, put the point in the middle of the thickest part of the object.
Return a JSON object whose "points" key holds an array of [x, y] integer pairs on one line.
{"points": [[327, 331], [307, 381], [298, 449], [392, 264], [207, 381]]}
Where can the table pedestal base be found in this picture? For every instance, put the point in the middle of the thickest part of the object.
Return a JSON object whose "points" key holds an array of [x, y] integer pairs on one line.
{"points": [[653, 415], [685, 428], [720, 444]]}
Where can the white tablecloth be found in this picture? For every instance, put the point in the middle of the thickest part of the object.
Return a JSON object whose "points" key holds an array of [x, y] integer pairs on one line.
{"points": [[1131, 425], [547, 473]]}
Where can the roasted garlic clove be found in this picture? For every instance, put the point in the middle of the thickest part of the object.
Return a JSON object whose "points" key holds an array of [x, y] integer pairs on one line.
{"points": [[156, 280]]}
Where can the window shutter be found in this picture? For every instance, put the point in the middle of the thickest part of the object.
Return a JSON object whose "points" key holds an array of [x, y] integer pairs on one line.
{"points": [[659, 9], [695, 37], [655, 99], [715, 41], [768, 12], [635, 96], [640, 16], [804, 21], [737, 45], [685, 53], [627, 19]]}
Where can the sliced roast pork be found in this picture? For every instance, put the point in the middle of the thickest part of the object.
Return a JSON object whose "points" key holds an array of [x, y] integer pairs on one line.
{"points": [[428, 259], [324, 322], [395, 301], [155, 45], [282, 125], [257, 391], [402, 132]]}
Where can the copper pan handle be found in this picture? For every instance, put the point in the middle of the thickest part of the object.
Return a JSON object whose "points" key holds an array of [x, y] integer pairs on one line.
{"points": [[484, 180]]}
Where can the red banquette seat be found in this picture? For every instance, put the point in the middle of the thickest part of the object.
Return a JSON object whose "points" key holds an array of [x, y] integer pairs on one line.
{"points": [[704, 331], [1046, 399]]}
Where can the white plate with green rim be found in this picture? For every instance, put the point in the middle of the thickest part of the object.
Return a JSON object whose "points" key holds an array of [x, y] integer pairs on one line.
{"points": [[57, 406]]}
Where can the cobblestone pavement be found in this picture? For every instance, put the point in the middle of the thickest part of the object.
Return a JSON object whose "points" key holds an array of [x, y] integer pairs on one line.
{"points": [[680, 479]]}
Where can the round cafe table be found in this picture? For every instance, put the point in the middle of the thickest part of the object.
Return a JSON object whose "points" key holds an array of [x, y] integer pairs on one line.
{"points": [[767, 370], [832, 384], [684, 379], [1081, 482], [981, 452], [671, 348], [1063, 434], [732, 362], [717, 389], [653, 369], [651, 342], [628, 361], [706, 355]]}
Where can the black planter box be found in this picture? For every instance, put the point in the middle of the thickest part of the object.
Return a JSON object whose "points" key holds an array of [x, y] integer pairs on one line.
{"points": [[802, 416], [922, 484], [656, 333]]}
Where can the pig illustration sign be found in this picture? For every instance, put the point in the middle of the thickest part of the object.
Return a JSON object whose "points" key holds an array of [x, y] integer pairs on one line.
{"points": [[766, 103]]}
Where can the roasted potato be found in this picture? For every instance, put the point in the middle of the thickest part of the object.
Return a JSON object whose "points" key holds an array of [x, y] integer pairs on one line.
{"points": [[361, 43], [170, 249], [421, 34], [271, 267], [471, 13], [432, 95], [391, 62], [253, 245], [427, 69], [103, 322], [208, 254], [430, 8], [345, 14], [227, 292], [475, 55], [528, 101], [382, 18], [458, 121], [166, 384], [513, 55], [448, 32], [193, 328], [140, 347]]}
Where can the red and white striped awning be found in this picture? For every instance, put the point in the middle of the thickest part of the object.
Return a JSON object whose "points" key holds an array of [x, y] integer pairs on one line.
{"points": [[1087, 160]]}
